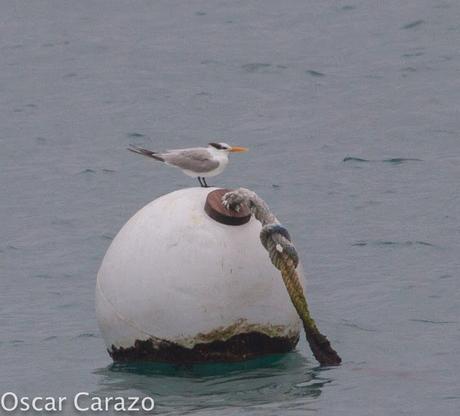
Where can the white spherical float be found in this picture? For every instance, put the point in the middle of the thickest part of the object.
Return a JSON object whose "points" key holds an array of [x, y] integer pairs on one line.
{"points": [[178, 286]]}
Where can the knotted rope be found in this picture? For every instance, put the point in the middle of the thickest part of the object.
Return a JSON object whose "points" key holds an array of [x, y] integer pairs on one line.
{"points": [[276, 240]]}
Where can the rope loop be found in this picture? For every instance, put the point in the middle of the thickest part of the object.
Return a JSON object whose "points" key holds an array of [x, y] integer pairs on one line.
{"points": [[280, 236]]}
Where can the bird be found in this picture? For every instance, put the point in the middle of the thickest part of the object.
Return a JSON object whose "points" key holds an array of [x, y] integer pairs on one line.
{"points": [[197, 162]]}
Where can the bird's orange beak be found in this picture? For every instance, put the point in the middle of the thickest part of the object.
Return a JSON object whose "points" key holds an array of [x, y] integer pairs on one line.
{"points": [[238, 149]]}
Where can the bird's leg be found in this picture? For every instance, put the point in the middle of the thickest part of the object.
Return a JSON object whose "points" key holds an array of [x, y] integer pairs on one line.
{"points": [[201, 183], [205, 184]]}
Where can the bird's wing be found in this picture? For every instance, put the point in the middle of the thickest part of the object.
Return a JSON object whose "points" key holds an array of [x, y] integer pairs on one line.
{"points": [[145, 152], [200, 152], [196, 160]]}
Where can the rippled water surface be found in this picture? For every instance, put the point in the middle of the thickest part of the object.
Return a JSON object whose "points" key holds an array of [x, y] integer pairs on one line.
{"points": [[351, 111]]}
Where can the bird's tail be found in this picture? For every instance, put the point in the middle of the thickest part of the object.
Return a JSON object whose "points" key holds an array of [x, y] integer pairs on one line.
{"points": [[145, 152]]}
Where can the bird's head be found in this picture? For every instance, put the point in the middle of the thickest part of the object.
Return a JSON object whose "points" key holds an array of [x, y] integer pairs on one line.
{"points": [[224, 147]]}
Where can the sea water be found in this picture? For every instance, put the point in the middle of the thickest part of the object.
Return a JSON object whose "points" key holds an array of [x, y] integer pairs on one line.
{"points": [[351, 113]]}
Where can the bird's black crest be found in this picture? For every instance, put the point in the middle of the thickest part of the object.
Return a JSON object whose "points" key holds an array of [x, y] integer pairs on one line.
{"points": [[216, 145]]}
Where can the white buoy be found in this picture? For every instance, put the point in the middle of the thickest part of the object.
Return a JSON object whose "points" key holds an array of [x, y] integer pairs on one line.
{"points": [[177, 285]]}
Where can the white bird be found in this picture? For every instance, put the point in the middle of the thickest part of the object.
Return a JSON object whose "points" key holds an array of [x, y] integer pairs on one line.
{"points": [[198, 162]]}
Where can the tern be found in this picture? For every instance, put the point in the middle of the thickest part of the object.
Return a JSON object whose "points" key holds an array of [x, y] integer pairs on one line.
{"points": [[197, 162]]}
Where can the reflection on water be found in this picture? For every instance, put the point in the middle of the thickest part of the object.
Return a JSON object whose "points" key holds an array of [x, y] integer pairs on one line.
{"points": [[270, 381]]}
